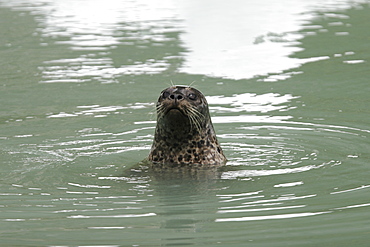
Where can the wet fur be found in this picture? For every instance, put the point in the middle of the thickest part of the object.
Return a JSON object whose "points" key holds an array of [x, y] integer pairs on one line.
{"points": [[184, 134]]}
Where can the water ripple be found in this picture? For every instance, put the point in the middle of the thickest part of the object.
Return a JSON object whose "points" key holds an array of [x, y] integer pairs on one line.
{"points": [[111, 216], [257, 173], [271, 217]]}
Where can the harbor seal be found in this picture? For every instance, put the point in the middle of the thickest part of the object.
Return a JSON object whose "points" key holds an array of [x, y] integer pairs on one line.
{"points": [[184, 135]]}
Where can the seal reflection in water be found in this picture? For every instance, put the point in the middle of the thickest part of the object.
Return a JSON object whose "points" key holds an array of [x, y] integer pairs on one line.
{"points": [[184, 135]]}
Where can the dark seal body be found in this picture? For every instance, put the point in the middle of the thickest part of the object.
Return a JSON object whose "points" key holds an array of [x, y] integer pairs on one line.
{"points": [[184, 134]]}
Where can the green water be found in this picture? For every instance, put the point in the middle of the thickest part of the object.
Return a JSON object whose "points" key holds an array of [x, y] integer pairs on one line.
{"points": [[291, 110]]}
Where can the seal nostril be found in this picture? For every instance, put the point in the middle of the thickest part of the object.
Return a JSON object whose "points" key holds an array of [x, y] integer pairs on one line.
{"points": [[172, 96], [179, 97]]}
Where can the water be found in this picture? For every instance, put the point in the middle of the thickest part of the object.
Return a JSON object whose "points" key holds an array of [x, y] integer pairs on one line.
{"points": [[288, 90]]}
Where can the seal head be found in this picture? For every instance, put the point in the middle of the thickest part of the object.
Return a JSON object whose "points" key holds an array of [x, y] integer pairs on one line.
{"points": [[184, 134]]}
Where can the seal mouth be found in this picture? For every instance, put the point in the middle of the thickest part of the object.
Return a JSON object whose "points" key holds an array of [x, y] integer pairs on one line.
{"points": [[175, 110]]}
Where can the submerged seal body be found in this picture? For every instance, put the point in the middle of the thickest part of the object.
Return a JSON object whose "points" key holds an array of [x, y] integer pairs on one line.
{"points": [[184, 134]]}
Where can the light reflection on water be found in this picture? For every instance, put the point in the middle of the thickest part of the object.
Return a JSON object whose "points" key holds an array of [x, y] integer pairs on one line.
{"points": [[94, 109], [262, 49], [270, 217], [96, 29], [248, 102]]}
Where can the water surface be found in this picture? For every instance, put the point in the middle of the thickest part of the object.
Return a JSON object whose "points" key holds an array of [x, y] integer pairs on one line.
{"points": [[288, 91]]}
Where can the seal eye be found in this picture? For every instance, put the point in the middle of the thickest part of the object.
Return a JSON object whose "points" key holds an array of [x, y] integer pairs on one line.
{"points": [[192, 96], [165, 94]]}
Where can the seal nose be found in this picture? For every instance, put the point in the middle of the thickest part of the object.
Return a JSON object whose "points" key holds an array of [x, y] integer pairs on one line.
{"points": [[176, 96]]}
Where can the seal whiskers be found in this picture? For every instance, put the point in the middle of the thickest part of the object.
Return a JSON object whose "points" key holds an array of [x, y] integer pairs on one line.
{"points": [[160, 110], [195, 117]]}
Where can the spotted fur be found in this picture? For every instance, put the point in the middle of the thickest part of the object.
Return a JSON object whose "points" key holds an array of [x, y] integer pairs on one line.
{"points": [[184, 135]]}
